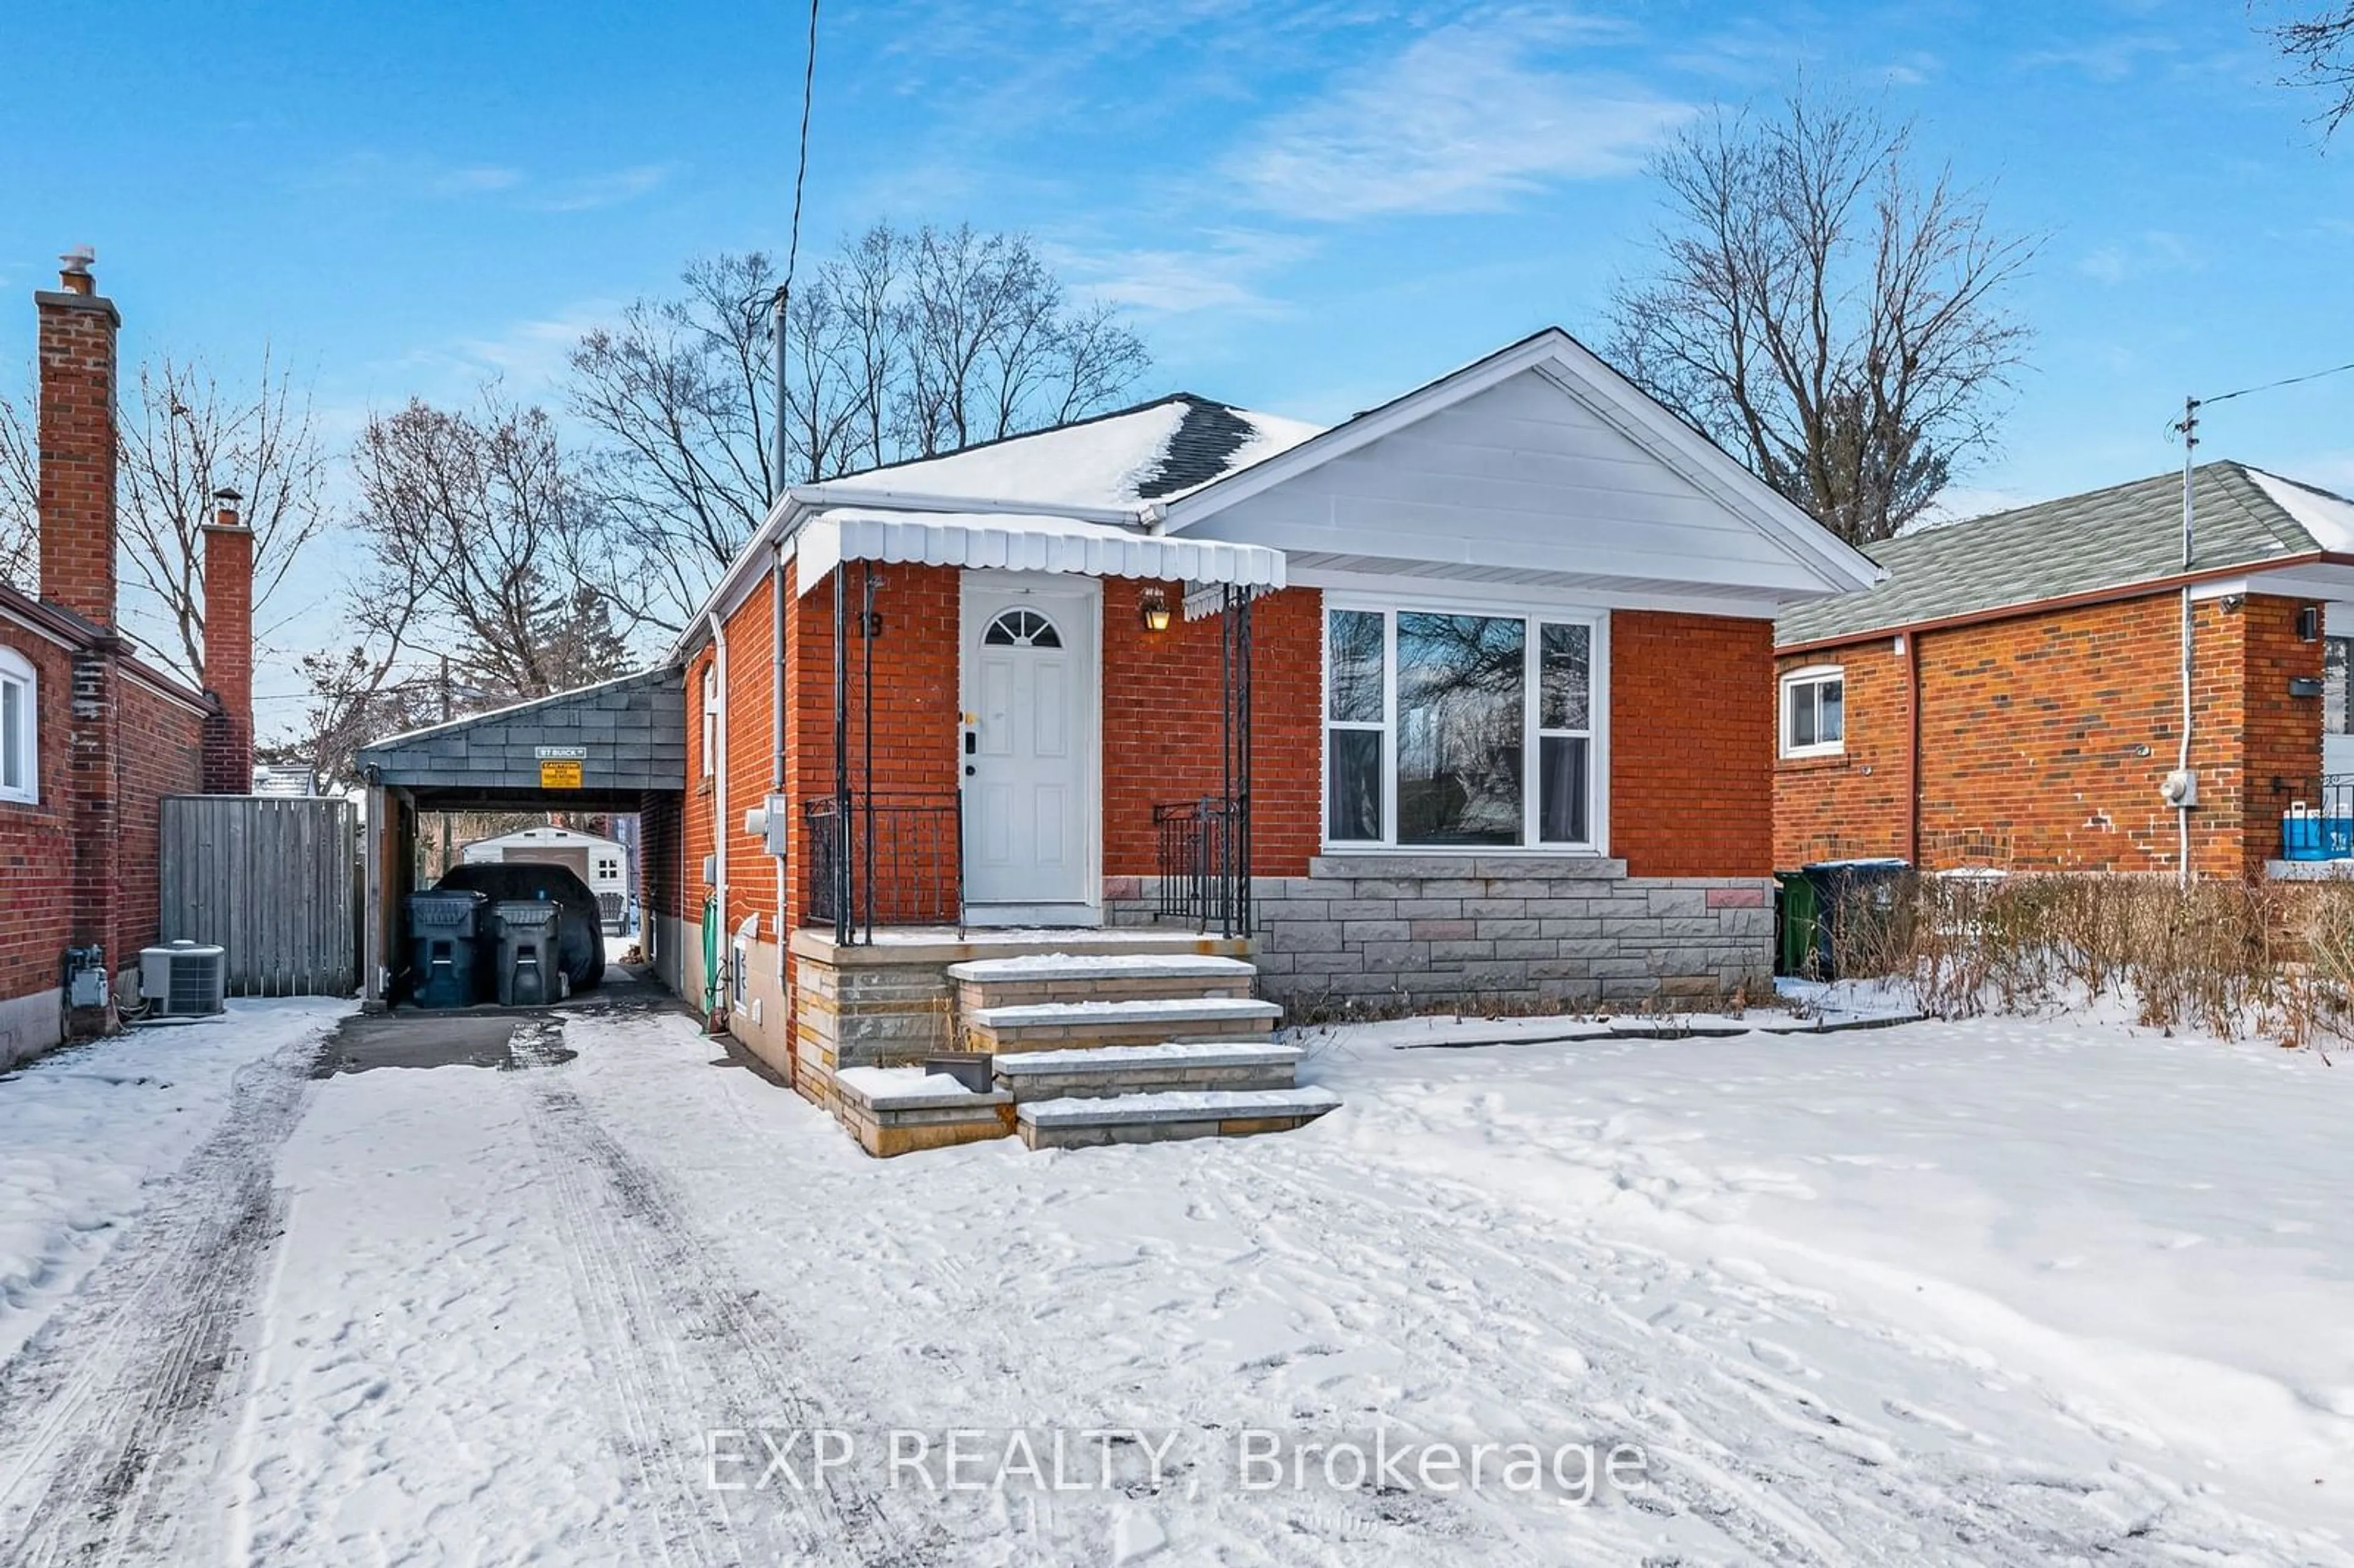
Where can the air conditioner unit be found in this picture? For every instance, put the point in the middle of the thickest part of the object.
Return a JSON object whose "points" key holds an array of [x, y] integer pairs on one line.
{"points": [[183, 979]]}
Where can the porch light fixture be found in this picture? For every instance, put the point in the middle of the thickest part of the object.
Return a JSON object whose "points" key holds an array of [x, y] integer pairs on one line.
{"points": [[1154, 606]]}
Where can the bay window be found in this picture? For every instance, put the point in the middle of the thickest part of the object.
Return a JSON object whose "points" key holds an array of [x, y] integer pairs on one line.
{"points": [[1433, 719]]}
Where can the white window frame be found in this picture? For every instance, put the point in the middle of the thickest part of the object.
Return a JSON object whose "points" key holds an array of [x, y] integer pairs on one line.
{"points": [[18, 671], [710, 716], [1535, 615], [1811, 675]]}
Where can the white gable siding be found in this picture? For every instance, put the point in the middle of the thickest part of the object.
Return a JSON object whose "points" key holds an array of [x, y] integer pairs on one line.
{"points": [[1522, 475]]}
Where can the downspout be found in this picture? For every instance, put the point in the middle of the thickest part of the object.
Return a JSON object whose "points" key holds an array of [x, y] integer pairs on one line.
{"points": [[1912, 759], [714, 989], [777, 744], [2182, 808]]}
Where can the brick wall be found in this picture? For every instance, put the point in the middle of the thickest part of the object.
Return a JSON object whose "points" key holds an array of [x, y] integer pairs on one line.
{"points": [[2044, 739], [161, 753], [751, 730], [1855, 805], [1691, 744], [36, 841], [1164, 724], [2284, 733], [81, 864], [916, 716]]}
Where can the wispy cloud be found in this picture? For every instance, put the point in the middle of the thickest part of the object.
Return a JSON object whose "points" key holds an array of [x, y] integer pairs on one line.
{"points": [[611, 189], [474, 180], [2155, 251], [1226, 274], [2109, 59], [1470, 117], [427, 179]]}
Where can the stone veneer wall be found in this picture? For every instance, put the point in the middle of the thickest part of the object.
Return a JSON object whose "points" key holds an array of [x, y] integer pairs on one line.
{"points": [[1388, 932]]}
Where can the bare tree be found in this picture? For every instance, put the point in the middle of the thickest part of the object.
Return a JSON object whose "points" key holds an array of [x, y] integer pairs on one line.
{"points": [[899, 344], [1826, 309], [186, 434], [353, 698], [20, 489], [485, 545], [2319, 47]]}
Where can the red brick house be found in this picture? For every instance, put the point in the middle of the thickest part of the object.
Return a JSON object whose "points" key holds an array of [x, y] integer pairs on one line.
{"points": [[92, 737], [2013, 694], [1465, 699]]}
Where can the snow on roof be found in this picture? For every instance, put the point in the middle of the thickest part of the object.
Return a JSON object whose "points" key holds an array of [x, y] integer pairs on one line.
{"points": [[2328, 518], [1155, 452]]}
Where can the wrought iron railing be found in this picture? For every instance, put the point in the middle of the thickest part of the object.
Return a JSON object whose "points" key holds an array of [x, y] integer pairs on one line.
{"points": [[888, 860], [2316, 816], [1201, 856]]}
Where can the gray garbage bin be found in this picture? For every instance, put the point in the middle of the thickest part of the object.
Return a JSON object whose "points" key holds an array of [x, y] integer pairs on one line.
{"points": [[444, 933], [528, 972]]}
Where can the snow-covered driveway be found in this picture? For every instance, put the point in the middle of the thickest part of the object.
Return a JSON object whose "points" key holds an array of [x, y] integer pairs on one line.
{"points": [[1998, 1293]]}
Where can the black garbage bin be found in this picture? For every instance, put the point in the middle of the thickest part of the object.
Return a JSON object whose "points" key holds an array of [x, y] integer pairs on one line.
{"points": [[528, 971], [444, 934], [1855, 905]]}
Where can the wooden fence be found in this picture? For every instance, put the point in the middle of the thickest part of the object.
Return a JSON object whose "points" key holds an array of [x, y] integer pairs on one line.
{"points": [[274, 880]]}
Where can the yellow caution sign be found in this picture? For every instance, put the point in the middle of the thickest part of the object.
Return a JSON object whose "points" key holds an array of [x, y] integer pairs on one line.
{"points": [[560, 772]]}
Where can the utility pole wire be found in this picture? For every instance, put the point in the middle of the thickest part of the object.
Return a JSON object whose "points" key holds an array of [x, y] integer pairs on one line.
{"points": [[2284, 381], [784, 297]]}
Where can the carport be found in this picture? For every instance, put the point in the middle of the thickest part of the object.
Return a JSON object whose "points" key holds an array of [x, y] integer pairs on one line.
{"points": [[620, 746]]}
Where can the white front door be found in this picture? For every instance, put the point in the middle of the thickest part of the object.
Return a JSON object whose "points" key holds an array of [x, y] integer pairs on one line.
{"points": [[1030, 748]]}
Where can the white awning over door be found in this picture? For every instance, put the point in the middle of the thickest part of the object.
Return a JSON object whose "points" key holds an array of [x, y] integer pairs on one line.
{"points": [[1026, 542]]}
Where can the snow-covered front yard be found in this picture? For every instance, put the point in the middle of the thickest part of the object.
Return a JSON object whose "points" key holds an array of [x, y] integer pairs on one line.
{"points": [[2003, 1292]]}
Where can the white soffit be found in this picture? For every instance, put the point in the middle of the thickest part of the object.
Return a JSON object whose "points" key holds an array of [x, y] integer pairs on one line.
{"points": [[1026, 542]]}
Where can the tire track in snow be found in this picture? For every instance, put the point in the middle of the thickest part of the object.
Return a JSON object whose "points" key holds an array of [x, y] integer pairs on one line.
{"points": [[1847, 1507], [683, 1347], [104, 1413]]}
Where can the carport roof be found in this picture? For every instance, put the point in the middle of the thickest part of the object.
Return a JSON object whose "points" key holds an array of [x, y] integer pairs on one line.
{"points": [[628, 736]]}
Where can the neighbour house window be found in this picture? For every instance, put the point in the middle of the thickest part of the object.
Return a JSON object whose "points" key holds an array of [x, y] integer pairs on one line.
{"points": [[1814, 711], [1431, 718], [20, 776], [710, 716]]}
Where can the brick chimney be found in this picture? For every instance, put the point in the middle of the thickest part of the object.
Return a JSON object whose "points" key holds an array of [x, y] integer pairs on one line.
{"points": [[228, 649], [76, 434]]}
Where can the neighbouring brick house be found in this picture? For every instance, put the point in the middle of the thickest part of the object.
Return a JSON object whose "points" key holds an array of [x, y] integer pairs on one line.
{"points": [[2011, 695], [92, 737], [1465, 700]]}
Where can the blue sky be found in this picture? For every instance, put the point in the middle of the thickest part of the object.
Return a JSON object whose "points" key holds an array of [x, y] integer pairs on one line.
{"points": [[1308, 208]]}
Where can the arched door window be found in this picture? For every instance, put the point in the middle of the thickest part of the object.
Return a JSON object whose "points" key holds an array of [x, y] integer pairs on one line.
{"points": [[1022, 628]]}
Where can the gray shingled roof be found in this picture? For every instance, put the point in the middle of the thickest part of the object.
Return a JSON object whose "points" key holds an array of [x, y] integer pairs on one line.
{"points": [[631, 733], [2105, 539]]}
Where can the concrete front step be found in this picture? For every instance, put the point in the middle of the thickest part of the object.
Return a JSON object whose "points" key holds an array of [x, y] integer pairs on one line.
{"points": [[1097, 977], [1168, 1117], [898, 1111], [1095, 1074], [1073, 1025]]}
